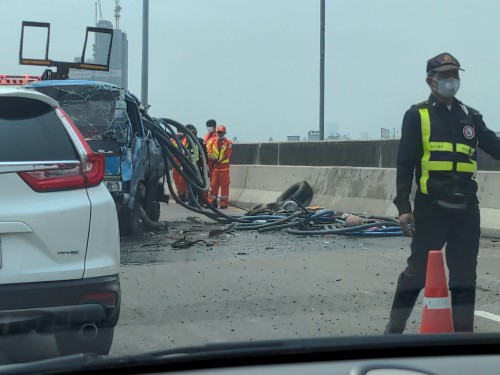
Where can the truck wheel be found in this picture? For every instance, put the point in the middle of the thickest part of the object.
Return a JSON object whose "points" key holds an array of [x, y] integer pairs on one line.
{"points": [[151, 205], [154, 211], [72, 342], [130, 220]]}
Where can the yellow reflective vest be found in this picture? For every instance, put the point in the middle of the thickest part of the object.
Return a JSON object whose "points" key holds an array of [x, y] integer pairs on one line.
{"points": [[445, 152]]}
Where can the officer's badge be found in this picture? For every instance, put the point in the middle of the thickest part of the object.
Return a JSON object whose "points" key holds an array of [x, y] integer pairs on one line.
{"points": [[469, 132]]}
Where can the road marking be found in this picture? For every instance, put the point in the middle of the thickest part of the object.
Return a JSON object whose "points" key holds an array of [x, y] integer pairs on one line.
{"points": [[488, 315]]}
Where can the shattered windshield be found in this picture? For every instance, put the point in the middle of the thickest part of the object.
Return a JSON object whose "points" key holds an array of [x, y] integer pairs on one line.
{"points": [[99, 111]]}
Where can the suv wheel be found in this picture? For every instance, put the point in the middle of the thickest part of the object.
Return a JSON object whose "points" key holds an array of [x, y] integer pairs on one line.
{"points": [[73, 342]]}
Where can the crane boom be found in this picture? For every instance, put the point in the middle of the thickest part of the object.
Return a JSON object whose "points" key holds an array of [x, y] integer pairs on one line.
{"points": [[118, 9], [98, 10]]}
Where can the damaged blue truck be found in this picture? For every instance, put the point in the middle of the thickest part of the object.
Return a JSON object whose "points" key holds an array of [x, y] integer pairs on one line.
{"points": [[111, 120]]}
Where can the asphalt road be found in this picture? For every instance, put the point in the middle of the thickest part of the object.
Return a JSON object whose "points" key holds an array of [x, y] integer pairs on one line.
{"points": [[252, 286], [248, 286]]}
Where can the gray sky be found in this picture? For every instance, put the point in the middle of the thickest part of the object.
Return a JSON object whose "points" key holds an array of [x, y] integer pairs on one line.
{"points": [[253, 65]]}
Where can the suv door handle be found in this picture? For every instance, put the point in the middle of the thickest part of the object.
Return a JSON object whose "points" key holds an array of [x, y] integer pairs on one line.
{"points": [[13, 227]]}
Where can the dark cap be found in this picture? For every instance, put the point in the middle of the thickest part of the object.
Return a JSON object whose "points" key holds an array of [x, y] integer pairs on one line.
{"points": [[211, 123], [443, 62], [192, 128]]}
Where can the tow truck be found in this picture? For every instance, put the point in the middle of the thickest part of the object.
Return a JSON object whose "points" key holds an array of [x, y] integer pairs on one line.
{"points": [[111, 120]]}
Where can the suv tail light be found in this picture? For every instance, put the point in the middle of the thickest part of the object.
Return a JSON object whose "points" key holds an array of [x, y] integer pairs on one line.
{"points": [[67, 176], [94, 169], [78, 175]]}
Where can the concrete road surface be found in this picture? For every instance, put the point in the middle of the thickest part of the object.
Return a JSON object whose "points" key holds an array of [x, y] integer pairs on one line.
{"points": [[248, 286]]}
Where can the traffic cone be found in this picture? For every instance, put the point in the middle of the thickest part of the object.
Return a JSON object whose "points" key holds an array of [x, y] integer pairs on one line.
{"points": [[436, 314]]}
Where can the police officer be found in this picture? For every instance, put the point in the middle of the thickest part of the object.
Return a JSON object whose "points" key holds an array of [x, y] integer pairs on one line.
{"points": [[439, 139]]}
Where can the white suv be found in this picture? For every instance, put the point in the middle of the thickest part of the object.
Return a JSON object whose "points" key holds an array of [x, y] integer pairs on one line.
{"points": [[59, 238]]}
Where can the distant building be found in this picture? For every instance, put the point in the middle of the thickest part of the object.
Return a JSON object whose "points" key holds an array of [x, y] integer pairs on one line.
{"points": [[313, 135], [391, 133], [293, 138], [331, 130], [118, 63]]}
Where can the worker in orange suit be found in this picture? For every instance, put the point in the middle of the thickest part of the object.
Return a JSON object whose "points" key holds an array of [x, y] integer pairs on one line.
{"points": [[219, 152], [208, 138], [180, 183], [211, 125]]}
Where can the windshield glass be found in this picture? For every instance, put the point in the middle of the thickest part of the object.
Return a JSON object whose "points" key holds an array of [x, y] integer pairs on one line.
{"points": [[264, 170], [99, 111]]}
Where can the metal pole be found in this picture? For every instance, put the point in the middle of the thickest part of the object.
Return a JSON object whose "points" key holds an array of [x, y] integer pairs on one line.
{"points": [[322, 75], [145, 52]]}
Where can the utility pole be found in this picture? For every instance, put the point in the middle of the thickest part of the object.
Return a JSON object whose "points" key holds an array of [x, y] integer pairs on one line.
{"points": [[322, 75], [145, 52]]}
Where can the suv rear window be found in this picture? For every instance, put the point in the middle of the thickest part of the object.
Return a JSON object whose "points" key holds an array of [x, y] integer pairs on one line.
{"points": [[31, 131]]}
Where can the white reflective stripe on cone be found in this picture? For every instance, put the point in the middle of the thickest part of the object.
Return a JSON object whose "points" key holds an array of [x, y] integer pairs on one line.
{"points": [[436, 303]]}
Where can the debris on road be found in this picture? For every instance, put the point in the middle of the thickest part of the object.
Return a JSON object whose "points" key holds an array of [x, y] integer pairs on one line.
{"points": [[184, 244], [218, 232]]}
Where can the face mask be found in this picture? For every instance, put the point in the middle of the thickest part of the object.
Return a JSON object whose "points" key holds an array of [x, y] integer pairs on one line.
{"points": [[220, 137], [448, 87], [210, 130]]}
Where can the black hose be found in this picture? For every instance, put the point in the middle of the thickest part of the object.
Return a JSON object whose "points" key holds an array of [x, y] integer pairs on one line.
{"points": [[282, 221], [252, 226], [214, 215], [177, 200], [194, 141], [279, 227], [315, 232], [386, 218], [184, 164]]}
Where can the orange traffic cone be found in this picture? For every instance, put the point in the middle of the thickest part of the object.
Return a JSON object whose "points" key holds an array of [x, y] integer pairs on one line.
{"points": [[436, 314]]}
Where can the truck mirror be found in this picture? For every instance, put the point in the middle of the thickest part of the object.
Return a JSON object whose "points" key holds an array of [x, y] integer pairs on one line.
{"points": [[34, 48], [97, 60]]}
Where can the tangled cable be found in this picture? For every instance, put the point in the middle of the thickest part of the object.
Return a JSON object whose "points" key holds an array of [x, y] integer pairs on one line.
{"points": [[324, 222], [302, 222], [177, 155]]}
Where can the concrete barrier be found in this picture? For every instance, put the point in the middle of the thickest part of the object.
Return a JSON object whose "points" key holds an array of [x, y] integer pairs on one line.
{"points": [[370, 154], [352, 189]]}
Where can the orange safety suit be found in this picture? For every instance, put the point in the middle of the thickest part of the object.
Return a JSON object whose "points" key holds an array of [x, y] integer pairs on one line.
{"points": [[180, 183], [219, 151], [209, 138]]}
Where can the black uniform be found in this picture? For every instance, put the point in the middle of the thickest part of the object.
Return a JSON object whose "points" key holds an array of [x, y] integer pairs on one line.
{"points": [[446, 207]]}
